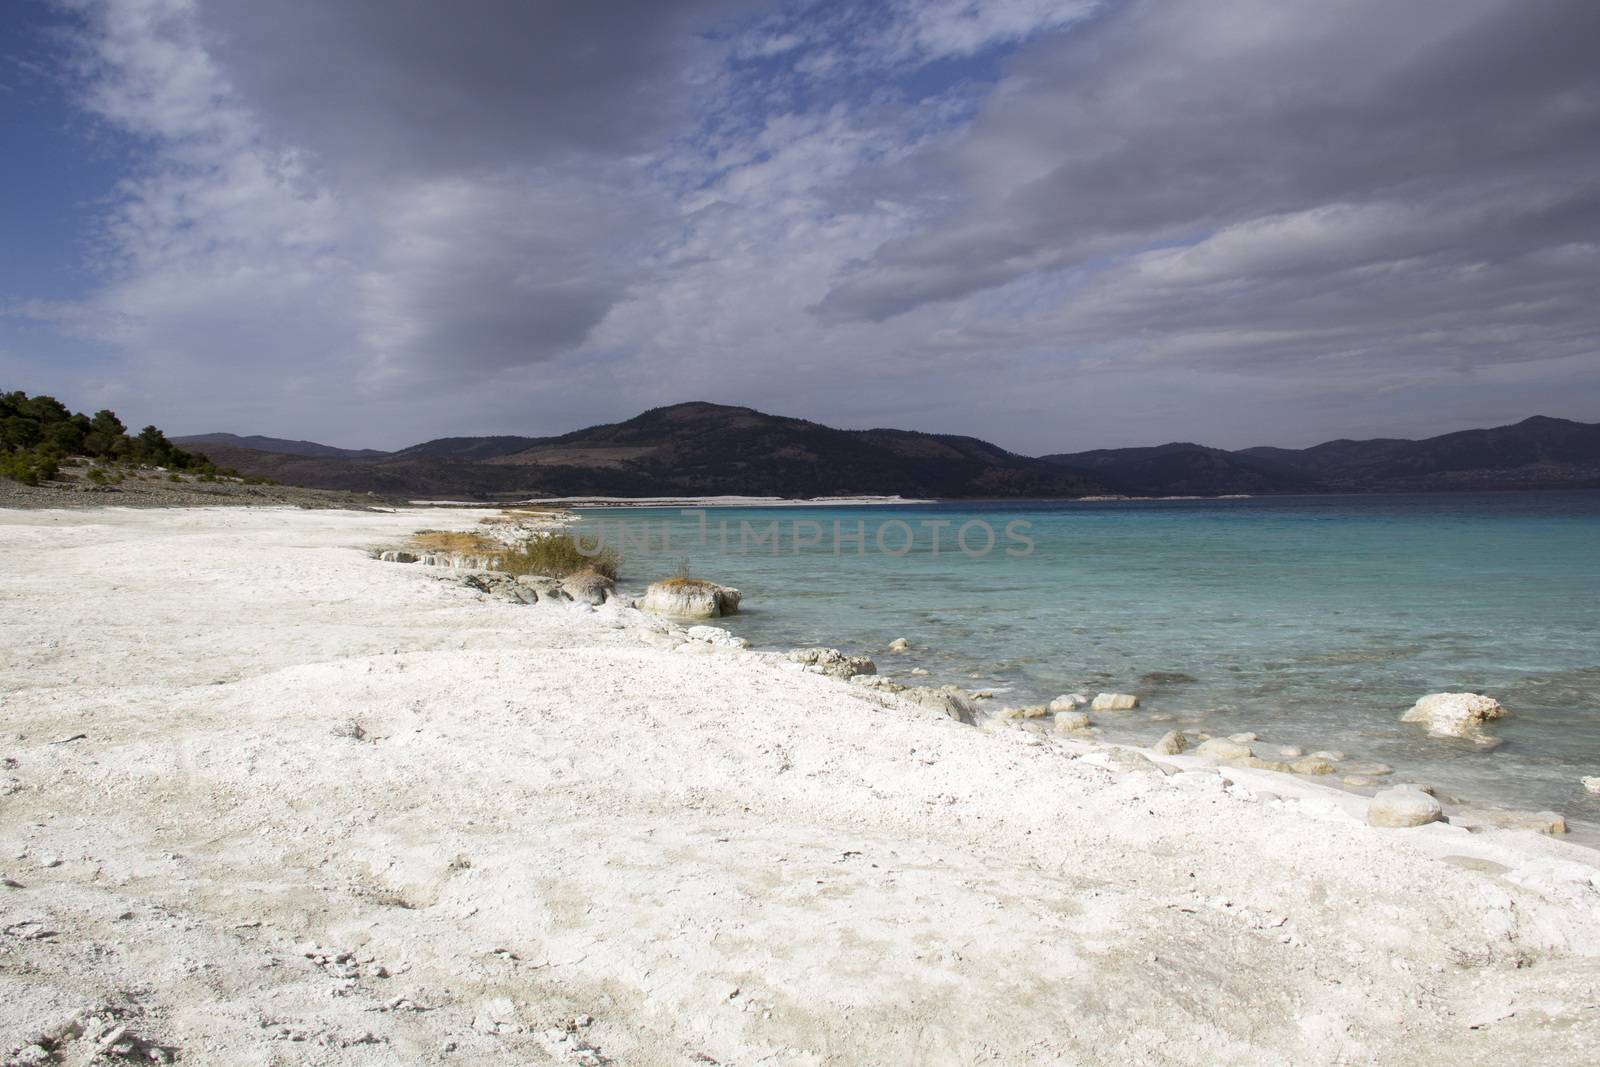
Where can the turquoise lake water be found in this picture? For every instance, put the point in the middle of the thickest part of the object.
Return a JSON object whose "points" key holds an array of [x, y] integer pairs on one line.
{"points": [[1313, 621]]}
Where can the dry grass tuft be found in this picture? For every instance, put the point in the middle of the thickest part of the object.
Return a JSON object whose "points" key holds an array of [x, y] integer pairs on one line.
{"points": [[680, 582], [556, 555], [523, 515], [461, 543]]}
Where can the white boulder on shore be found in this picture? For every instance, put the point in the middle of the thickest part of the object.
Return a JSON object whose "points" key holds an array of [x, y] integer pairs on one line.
{"points": [[1223, 750], [1114, 702], [1403, 806], [586, 587], [1454, 714], [1070, 721], [1171, 743], [689, 598]]}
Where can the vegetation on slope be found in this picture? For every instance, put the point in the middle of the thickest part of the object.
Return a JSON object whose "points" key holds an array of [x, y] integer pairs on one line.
{"points": [[38, 433]]}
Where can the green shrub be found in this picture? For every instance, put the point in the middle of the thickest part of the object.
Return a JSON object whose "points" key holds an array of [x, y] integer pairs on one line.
{"points": [[97, 475], [174, 477], [29, 468], [557, 555]]}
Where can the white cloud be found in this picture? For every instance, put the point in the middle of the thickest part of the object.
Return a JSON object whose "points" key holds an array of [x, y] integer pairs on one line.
{"points": [[506, 217]]}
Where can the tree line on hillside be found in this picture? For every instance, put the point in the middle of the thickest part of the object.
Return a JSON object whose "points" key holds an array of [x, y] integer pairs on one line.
{"points": [[38, 432]]}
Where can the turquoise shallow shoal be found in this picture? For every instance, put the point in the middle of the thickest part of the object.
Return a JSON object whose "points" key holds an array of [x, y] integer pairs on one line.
{"points": [[1313, 621]]}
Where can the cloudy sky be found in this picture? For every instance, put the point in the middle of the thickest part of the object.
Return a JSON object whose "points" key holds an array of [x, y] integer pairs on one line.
{"points": [[1057, 225]]}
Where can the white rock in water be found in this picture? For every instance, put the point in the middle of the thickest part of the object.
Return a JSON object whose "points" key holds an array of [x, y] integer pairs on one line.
{"points": [[1243, 739], [899, 644], [1454, 714], [1068, 721], [1291, 752], [1402, 806], [1172, 742], [1312, 765], [1592, 784], [690, 598], [1223, 750], [1114, 702], [1068, 702]]}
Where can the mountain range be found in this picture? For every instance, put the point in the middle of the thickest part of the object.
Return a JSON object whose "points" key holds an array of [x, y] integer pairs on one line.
{"points": [[702, 449]]}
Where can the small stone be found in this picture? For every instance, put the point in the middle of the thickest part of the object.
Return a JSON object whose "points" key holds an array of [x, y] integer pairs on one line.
{"points": [[1114, 702], [1402, 807], [1171, 744], [1068, 721], [1263, 764], [1312, 765]]}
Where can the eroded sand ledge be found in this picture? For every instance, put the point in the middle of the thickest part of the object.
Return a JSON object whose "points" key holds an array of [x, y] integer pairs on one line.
{"points": [[549, 813]]}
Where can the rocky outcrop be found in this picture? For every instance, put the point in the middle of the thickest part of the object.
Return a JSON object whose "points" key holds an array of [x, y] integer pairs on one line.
{"points": [[1126, 761], [540, 588], [507, 587], [954, 702], [1479, 819], [1114, 702], [1455, 714], [832, 662], [715, 635], [690, 598], [1171, 744], [1401, 807], [1032, 711], [589, 588]]}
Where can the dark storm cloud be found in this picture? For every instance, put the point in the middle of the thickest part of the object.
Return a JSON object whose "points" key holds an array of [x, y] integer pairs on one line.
{"points": [[1165, 122], [436, 86]]}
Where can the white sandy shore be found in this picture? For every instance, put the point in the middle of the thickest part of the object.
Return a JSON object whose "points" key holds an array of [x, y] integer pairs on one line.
{"points": [[553, 814]]}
